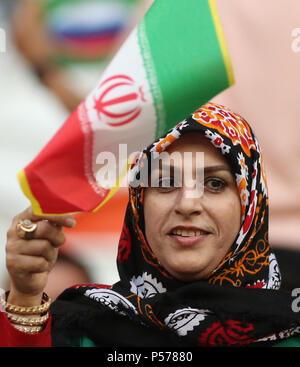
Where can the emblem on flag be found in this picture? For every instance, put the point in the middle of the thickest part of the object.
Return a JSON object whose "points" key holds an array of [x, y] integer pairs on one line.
{"points": [[116, 102]]}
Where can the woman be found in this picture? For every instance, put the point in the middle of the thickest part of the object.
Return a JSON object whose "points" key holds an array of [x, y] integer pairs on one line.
{"points": [[194, 261]]}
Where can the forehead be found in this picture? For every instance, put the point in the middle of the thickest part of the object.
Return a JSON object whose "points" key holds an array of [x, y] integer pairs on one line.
{"points": [[194, 142]]}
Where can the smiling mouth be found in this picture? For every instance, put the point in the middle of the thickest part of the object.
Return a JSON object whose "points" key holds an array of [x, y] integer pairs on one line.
{"points": [[188, 232], [188, 237]]}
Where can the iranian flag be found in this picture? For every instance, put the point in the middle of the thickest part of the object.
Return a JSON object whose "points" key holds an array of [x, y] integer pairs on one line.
{"points": [[173, 62]]}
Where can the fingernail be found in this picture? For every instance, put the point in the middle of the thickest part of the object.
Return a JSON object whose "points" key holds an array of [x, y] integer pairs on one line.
{"points": [[71, 222]]}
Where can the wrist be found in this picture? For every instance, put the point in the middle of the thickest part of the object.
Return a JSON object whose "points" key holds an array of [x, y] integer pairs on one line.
{"points": [[29, 313], [22, 299]]}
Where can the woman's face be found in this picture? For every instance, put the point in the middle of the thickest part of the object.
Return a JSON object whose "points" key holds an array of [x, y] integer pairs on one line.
{"points": [[191, 233]]}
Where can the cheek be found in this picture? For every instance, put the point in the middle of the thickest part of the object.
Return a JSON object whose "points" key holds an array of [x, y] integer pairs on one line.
{"points": [[152, 215], [150, 224], [227, 216], [149, 216], [157, 210], [231, 219]]}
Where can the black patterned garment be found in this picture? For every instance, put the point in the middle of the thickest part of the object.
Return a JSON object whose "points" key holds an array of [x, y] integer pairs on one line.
{"points": [[239, 304]]}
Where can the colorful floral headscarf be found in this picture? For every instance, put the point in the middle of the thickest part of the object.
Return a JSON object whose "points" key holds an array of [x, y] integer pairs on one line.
{"points": [[240, 302], [250, 262]]}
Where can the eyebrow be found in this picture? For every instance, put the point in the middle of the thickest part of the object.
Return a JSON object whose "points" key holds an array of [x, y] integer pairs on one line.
{"points": [[216, 168], [208, 169]]}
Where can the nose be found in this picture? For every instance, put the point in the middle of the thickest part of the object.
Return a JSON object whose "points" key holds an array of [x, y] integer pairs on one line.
{"points": [[189, 201]]}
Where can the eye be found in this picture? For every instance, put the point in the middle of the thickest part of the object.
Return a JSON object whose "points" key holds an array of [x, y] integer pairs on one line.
{"points": [[215, 184], [166, 184]]}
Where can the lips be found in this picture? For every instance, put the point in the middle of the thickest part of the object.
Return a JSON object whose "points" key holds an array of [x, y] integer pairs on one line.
{"points": [[188, 236], [188, 231]]}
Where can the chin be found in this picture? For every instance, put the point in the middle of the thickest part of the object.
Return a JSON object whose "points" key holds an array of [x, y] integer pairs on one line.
{"points": [[190, 276], [190, 268]]}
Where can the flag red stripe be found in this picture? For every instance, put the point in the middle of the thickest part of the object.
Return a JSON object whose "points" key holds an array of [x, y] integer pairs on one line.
{"points": [[57, 176]]}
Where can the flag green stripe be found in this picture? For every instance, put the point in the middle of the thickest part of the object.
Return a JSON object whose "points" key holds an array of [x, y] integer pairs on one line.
{"points": [[152, 79], [187, 59]]}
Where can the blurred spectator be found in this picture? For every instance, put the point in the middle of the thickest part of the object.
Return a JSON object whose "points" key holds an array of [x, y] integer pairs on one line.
{"points": [[69, 42]]}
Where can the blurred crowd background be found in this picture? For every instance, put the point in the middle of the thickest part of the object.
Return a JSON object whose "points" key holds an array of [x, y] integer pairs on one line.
{"points": [[55, 52]]}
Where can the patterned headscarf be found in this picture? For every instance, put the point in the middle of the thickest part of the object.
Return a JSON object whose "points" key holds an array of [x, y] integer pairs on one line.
{"points": [[250, 261], [240, 302]]}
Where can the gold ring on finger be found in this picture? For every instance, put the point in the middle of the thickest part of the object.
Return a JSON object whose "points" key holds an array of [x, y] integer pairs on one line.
{"points": [[26, 229]]}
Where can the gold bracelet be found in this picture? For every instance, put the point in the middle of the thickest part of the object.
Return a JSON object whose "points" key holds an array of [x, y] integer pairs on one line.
{"points": [[27, 321], [29, 329], [32, 310]]}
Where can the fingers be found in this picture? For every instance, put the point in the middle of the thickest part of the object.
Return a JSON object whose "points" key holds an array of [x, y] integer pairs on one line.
{"points": [[42, 248], [44, 231], [48, 228], [27, 264], [48, 231], [63, 220]]}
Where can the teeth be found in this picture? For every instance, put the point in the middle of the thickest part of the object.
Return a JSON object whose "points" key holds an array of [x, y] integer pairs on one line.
{"points": [[186, 233]]}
